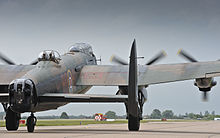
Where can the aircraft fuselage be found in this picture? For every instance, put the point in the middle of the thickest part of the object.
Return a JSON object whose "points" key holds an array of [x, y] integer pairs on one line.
{"points": [[52, 77]]}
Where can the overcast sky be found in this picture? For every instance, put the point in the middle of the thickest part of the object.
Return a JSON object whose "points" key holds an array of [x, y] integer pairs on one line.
{"points": [[28, 26]]}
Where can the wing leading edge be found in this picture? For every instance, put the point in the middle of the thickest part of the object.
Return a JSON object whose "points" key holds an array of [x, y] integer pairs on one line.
{"points": [[64, 97]]}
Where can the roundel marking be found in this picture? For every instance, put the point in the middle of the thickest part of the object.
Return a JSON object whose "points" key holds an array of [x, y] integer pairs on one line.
{"points": [[69, 80]]}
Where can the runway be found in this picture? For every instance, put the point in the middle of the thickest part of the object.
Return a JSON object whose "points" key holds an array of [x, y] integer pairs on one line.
{"points": [[207, 129]]}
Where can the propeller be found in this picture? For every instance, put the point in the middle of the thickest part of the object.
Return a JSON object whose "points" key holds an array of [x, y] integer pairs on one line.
{"points": [[190, 58], [10, 62], [34, 62], [118, 60], [186, 56], [205, 96], [156, 58], [6, 59]]}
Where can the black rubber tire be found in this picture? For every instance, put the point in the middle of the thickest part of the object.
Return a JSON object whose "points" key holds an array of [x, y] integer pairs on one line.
{"points": [[31, 123], [12, 120], [133, 123]]}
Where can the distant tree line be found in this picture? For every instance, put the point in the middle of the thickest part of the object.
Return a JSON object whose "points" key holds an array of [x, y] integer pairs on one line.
{"points": [[156, 114], [64, 115], [168, 114]]}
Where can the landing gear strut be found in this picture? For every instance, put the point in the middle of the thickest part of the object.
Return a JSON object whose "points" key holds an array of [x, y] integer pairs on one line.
{"points": [[12, 120], [31, 122]]}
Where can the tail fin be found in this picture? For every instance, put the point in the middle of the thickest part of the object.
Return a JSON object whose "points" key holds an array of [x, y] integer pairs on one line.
{"points": [[133, 109]]}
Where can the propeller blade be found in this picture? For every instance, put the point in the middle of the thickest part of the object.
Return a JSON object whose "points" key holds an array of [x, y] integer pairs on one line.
{"points": [[205, 97], [159, 56], [6, 59], [34, 62], [186, 56], [118, 60]]}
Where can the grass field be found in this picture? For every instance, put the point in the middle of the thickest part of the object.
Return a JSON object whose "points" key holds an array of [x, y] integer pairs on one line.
{"points": [[70, 122]]}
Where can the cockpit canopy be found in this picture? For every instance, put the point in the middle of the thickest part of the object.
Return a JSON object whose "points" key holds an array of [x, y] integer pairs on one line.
{"points": [[49, 55], [81, 47]]}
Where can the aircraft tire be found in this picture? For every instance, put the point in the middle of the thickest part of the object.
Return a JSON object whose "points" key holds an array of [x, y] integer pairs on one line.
{"points": [[133, 123], [12, 120], [31, 122]]}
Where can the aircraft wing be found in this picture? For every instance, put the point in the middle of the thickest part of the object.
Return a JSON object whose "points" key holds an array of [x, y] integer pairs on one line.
{"points": [[11, 72], [111, 75], [66, 97]]}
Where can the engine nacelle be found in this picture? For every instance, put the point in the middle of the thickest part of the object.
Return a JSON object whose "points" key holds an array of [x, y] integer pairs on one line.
{"points": [[205, 84]]}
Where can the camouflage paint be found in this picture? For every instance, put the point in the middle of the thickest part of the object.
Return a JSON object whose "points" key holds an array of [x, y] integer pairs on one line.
{"points": [[50, 77]]}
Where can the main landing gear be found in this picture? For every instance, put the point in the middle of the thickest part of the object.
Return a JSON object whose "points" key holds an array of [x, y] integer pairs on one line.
{"points": [[12, 120], [133, 123], [31, 122]]}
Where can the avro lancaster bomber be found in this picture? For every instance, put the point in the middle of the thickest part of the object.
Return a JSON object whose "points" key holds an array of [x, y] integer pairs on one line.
{"points": [[55, 80]]}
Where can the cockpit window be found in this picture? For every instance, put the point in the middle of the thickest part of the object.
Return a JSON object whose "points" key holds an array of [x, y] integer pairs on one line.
{"points": [[81, 47], [49, 55], [43, 56]]}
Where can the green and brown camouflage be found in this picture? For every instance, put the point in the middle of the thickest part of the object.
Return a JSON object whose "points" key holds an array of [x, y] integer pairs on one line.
{"points": [[56, 81]]}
